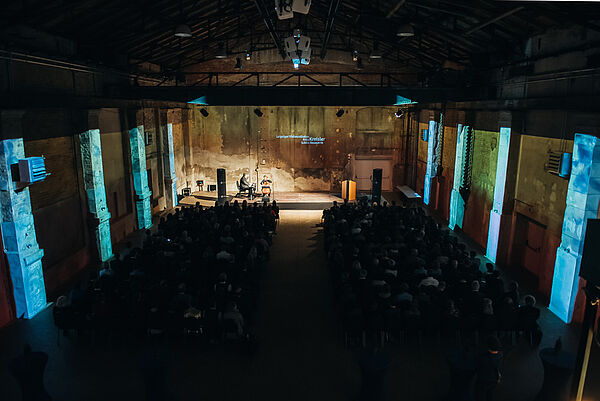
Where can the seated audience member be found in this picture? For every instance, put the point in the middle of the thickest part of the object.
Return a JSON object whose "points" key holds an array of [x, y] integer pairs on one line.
{"points": [[233, 314]]}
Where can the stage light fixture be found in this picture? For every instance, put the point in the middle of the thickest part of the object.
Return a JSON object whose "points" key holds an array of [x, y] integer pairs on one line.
{"points": [[221, 51], [238, 64], [183, 31], [406, 31], [258, 112], [204, 112], [359, 64], [248, 55], [340, 113], [399, 113], [355, 56]]}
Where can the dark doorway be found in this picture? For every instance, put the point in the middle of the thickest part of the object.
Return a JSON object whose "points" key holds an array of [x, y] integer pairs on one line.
{"points": [[528, 245]]}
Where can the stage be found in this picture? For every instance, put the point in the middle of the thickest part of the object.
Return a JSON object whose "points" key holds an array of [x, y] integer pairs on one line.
{"points": [[285, 200]]}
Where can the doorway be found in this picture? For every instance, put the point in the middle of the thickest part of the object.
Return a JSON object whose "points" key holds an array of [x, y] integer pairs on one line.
{"points": [[363, 173], [528, 246]]}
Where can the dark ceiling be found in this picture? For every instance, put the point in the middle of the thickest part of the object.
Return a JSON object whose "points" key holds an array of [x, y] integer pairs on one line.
{"points": [[460, 32]]}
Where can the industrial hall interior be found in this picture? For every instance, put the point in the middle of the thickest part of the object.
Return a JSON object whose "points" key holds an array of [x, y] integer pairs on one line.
{"points": [[336, 200]]}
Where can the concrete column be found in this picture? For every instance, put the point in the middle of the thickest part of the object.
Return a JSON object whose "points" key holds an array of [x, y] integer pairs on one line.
{"points": [[93, 177], [188, 152], [18, 229], [457, 203], [432, 157], [509, 146], [583, 197], [169, 166], [137, 145]]}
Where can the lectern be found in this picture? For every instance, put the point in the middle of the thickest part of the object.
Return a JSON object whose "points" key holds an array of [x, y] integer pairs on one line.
{"points": [[349, 190]]}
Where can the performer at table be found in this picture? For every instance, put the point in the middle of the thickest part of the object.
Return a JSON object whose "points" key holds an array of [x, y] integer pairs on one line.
{"points": [[265, 185]]}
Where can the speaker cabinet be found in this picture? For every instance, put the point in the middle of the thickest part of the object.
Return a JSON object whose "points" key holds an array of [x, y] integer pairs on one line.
{"points": [[590, 260], [376, 182], [221, 185]]}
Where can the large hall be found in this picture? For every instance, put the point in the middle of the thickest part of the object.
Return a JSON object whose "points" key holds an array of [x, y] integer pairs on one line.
{"points": [[299, 200]]}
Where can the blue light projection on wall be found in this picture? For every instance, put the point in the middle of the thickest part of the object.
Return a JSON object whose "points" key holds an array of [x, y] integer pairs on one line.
{"points": [[201, 100], [18, 235], [432, 164], [583, 196], [400, 100], [140, 177], [93, 177], [457, 203], [169, 164], [499, 186]]}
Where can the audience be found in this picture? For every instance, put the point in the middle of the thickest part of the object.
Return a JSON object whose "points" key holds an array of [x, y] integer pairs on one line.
{"points": [[396, 268], [201, 266]]}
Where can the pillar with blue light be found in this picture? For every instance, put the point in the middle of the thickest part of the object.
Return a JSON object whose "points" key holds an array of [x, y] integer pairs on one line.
{"points": [[499, 186], [140, 177], [169, 167], [432, 161], [93, 177], [18, 235], [457, 203], [583, 196]]}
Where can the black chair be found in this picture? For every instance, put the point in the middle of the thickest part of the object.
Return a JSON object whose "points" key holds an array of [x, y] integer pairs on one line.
{"points": [[249, 192]]}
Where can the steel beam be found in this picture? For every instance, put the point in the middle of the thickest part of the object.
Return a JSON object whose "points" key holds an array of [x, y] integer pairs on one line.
{"points": [[267, 19], [333, 9]]}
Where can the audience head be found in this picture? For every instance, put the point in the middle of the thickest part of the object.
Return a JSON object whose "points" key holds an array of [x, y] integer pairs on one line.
{"points": [[529, 300]]}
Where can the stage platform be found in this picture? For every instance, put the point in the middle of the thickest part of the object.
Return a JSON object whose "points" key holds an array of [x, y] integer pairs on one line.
{"points": [[285, 200]]}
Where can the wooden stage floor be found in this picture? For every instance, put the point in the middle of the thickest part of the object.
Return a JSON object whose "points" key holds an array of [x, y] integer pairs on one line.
{"points": [[285, 200]]}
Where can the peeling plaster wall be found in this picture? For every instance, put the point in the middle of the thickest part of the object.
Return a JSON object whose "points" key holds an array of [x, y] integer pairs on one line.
{"points": [[236, 139]]}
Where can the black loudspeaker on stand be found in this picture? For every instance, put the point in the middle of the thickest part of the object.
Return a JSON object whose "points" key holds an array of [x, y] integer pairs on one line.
{"points": [[376, 188], [221, 185]]}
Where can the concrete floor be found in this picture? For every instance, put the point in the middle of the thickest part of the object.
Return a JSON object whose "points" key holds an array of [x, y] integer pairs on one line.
{"points": [[300, 356]]}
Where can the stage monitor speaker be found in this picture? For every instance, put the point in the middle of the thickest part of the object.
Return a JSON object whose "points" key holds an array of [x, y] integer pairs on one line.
{"points": [[376, 188], [590, 260], [221, 185]]}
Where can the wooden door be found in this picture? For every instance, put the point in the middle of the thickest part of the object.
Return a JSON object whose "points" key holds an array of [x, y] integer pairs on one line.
{"points": [[532, 252], [363, 173]]}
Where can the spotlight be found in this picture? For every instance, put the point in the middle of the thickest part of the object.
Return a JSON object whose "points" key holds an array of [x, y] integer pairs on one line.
{"points": [[258, 112], [221, 51], [248, 55], [183, 31], [355, 56], [359, 64], [406, 31], [204, 112], [399, 113], [238, 64], [340, 113]]}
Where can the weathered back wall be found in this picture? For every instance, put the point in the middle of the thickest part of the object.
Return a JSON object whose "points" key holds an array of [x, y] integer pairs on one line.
{"points": [[236, 139]]}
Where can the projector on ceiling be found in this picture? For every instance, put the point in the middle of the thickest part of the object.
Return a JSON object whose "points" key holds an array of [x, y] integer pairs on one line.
{"points": [[285, 8], [298, 48]]}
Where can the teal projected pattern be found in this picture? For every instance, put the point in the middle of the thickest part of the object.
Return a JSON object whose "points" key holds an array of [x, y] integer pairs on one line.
{"points": [[140, 177], [169, 163], [93, 177], [432, 160], [457, 203], [583, 196], [499, 186], [18, 235]]}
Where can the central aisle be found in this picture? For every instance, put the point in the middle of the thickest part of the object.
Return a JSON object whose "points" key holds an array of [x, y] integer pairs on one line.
{"points": [[301, 355]]}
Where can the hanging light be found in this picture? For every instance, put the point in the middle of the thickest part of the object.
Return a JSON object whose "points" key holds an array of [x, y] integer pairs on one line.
{"points": [[296, 65], [406, 31], [399, 113], [221, 51], [248, 55], [340, 113], [238, 63], [258, 112], [204, 112], [183, 31], [359, 64], [355, 56]]}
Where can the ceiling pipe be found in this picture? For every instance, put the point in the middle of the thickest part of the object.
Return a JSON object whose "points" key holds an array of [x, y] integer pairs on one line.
{"points": [[495, 19]]}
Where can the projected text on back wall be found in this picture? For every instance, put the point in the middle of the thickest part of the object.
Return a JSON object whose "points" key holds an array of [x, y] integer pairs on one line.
{"points": [[304, 139]]}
